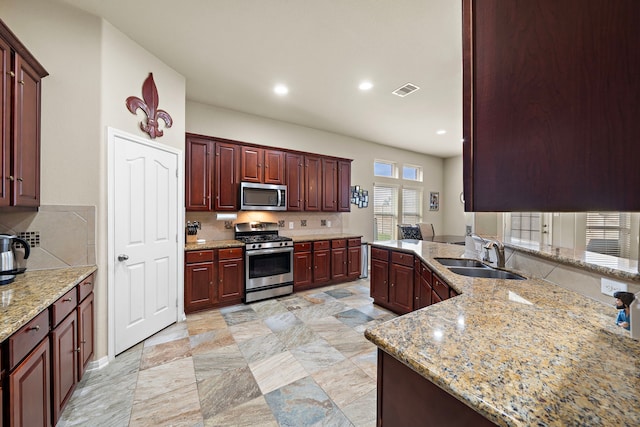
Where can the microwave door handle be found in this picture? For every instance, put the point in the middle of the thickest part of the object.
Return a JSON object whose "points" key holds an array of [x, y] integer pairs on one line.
{"points": [[279, 197]]}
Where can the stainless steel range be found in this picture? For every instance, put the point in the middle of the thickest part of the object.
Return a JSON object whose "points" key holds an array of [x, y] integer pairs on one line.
{"points": [[268, 260]]}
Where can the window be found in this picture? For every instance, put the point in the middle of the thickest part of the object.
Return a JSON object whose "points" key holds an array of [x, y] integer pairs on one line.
{"points": [[609, 233], [412, 173], [525, 226], [385, 169], [411, 205], [385, 211]]}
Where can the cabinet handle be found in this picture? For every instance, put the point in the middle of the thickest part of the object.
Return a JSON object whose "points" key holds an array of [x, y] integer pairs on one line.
{"points": [[21, 82], [211, 283], [83, 342], [11, 178], [34, 328], [11, 73], [19, 179], [66, 300], [77, 350]]}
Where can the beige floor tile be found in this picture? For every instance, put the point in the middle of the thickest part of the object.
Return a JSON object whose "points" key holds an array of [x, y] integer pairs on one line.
{"points": [[277, 371], [344, 382], [166, 352], [256, 413], [164, 378], [245, 331], [176, 408]]}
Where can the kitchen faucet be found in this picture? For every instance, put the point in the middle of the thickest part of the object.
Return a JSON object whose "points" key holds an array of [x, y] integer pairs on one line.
{"points": [[496, 245]]}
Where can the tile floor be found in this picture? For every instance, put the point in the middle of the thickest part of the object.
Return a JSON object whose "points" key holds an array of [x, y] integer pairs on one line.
{"points": [[299, 360]]}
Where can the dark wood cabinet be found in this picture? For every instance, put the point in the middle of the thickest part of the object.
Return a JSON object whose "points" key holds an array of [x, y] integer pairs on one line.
{"points": [[20, 122], [230, 275], [227, 177], [321, 262], [294, 179], [198, 174], [329, 185], [401, 282], [379, 281], [441, 289], [64, 354], [339, 259], [262, 165], [30, 389], [302, 266], [422, 286], [344, 186], [550, 106], [86, 333], [313, 183], [354, 258], [199, 290]]}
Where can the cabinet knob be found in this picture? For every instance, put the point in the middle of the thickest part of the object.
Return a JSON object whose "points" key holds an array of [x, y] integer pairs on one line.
{"points": [[67, 300], [21, 82], [19, 179], [77, 350], [83, 342], [34, 328], [211, 283], [11, 73], [11, 178]]}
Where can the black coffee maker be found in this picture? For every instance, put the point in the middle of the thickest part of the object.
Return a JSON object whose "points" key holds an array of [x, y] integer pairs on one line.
{"points": [[8, 265]]}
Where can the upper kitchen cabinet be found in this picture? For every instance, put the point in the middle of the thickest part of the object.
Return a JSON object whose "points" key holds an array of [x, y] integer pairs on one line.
{"points": [[329, 184], [344, 186], [199, 173], [550, 111], [294, 173], [20, 88], [313, 183], [227, 174], [262, 165]]}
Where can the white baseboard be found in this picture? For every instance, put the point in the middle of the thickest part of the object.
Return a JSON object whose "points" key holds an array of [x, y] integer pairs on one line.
{"points": [[98, 364]]}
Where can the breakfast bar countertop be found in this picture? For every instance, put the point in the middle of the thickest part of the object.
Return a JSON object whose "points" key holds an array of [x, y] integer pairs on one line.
{"points": [[33, 292], [519, 352]]}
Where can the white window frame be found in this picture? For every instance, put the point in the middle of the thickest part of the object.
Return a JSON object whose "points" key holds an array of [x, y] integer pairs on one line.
{"points": [[418, 170], [394, 168]]}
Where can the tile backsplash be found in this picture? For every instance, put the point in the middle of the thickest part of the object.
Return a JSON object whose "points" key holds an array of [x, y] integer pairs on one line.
{"points": [[61, 236], [213, 229]]}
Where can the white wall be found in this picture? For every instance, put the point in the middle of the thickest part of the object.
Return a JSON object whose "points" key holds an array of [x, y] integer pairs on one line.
{"points": [[455, 218], [214, 121]]}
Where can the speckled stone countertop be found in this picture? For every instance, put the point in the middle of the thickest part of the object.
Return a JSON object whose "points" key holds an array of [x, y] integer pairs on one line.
{"points": [[213, 244], [33, 292], [316, 237], [520, 352]]}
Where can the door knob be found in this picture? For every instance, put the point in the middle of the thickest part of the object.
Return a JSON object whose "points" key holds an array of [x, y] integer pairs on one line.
{"points": [[123, 257]]}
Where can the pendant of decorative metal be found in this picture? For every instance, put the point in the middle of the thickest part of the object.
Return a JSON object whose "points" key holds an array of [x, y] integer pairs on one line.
{"points": [[149, 104]]}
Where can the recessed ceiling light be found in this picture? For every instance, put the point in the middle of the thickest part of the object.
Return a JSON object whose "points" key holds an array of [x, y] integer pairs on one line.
{"points": [[441, 132], [365, 86], [281, 90]]}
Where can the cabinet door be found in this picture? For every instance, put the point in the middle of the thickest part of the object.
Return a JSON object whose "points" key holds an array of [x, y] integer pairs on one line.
{"points": [[231, 280], [424, 281], [321, 266], [5, 124], [65, 362], [401, 288], [26, 135], [302, 273], [344, 186], [379, 281], [353, 264], [329, 185], [251, 169], [295, 181], [440, 288], [85, 333], [549, 120], [227, 176], [339, 264], [313, 183], [273, 167], [30, 390], [198, 174], [199, 289]]}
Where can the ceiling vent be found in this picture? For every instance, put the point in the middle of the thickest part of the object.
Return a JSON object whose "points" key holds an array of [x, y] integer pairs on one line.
{"points": [[405, 90]]}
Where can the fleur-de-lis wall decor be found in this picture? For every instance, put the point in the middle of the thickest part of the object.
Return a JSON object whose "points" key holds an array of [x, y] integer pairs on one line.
{"points": [[149, 104]]}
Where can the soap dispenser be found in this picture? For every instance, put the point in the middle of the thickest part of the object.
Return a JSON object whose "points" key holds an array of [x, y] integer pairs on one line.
{"points": [[634, 313]]}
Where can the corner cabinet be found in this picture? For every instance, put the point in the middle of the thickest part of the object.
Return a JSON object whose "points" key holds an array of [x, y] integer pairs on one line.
{"points": [[20, 88], [550, 105]]}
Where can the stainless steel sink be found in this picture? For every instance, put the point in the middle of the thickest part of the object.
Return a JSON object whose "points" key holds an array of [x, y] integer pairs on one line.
{"points": [[461, 262], [486, 273]]}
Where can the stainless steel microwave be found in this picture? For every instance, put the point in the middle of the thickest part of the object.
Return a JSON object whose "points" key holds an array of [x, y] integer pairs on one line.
{"points": [[262, 197]]}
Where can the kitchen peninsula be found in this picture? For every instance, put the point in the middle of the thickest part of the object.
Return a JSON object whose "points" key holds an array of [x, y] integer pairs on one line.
{"points": [[516, 352]]}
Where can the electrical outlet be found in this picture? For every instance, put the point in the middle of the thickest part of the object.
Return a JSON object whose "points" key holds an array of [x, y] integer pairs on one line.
{"points": [[609, 287], [468, 230], [328, 223], [290, 225]]}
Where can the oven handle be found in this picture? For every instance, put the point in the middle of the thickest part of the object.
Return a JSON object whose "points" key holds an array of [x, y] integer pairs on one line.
{"points": [[269, 251]]}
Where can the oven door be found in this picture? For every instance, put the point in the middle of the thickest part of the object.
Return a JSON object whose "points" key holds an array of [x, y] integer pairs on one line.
{"points": [[268, 267]]}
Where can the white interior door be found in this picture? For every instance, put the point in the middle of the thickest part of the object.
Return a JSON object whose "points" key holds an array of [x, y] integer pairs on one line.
{"points": [[145, 239]]}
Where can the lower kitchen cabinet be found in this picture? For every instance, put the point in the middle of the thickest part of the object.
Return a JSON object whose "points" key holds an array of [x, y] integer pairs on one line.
{"points": [[354, 258], [422, 297], [230, 275], [401, 282], [302, 266], [321, 262], [339, 259], [30, 390], [64, 352], [379, 285], [213, 278], [86, 333]]}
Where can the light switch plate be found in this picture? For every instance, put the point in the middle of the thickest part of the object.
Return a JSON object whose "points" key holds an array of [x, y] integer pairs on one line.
{"points": [[609, 287], [290, 225]]}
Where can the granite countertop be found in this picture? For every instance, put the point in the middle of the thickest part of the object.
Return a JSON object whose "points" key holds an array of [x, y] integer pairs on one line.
{"points": [[213, 244], [316, 237], [520, 352], [33, 292]]}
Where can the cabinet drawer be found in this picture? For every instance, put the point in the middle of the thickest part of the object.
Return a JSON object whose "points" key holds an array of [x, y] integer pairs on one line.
{"points": [[65, 305], [354, 242], [381, 254], [402, 258], [199, 256], [441, 288], [321, 245], [85, 287], [302, 247], [230, 253], [27, 337], [342, 243]]}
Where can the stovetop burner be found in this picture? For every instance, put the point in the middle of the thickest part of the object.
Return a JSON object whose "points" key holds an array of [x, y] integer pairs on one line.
{"points": [[261, 235], [263, 238]]}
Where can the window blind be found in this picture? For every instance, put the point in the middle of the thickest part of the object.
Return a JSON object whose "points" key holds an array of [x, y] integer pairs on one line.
{"points": [[609, 233], [411, 205], [385, 210]]}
